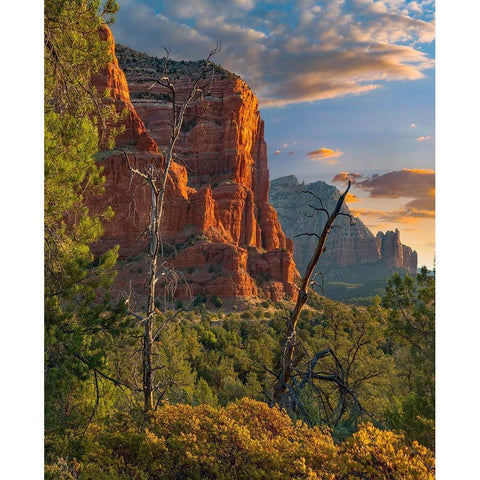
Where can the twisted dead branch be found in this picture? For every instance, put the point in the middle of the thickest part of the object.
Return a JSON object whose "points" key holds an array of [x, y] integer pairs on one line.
{"points": [[288, 363]]}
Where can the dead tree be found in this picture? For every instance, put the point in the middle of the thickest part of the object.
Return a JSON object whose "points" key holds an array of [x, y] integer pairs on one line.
{"points": [[156, 180], [292, 380], [288, 362]]}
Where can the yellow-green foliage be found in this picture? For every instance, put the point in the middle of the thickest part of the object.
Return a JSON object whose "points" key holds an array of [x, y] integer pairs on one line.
{"points": [[245, 440], [371, 453]]}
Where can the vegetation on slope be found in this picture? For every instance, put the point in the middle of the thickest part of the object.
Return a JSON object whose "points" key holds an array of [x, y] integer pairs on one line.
{"points": [[245, 440]]}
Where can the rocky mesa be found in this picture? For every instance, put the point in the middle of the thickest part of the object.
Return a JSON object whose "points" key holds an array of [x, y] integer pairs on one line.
{"points": [[352, 252], [221, 234]]}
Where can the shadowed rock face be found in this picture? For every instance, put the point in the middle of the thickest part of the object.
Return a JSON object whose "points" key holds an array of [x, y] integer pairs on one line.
{"points": [[347, 245], [221, 233]]}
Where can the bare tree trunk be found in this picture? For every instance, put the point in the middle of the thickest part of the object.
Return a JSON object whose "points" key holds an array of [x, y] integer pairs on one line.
{"points": [[288, 365], [147, 351], [151, 176], [148, 386]]}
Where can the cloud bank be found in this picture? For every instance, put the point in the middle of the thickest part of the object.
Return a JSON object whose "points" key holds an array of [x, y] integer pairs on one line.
{"points": [[290, 52], [418, 185], [412, 183]]}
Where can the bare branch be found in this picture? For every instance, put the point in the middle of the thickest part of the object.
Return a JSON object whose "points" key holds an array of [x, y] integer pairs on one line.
{"points": [[286, 371], [352, 222], [308, 234], [319, 209], [313, 195], [166, 322]]}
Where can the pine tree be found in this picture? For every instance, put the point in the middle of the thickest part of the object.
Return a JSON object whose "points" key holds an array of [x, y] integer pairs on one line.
{"points": [[410, 319], [80, 320]]}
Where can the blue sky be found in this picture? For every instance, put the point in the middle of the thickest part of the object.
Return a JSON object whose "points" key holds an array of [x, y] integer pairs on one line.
{"points": [[344, 86]]}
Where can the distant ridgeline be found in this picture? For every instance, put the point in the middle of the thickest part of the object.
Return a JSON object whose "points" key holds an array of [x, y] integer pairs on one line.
{"points": [[355, 263]]}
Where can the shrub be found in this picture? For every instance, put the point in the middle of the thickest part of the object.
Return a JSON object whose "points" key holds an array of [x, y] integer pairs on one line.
{"points": [[245, 440], [199, 299], [215, 299], [373, 453]]}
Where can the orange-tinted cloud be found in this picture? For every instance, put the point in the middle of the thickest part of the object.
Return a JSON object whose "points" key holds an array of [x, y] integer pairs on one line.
{"points": [[424, 138], [415, 184], [344, 177], [422, 203], [351, 198], [325, 155], [403, 215]]}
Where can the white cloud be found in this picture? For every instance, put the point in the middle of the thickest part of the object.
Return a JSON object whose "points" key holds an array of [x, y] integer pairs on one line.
{"points": [[415, 7], [290, 53]]}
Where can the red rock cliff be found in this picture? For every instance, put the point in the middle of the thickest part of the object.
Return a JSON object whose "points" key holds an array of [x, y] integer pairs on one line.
{"points": [[113, 79], [221, 233]]}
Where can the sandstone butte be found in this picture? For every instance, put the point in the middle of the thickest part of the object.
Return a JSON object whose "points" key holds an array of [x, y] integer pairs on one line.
{"points": [[352, 251], [221, 234]]}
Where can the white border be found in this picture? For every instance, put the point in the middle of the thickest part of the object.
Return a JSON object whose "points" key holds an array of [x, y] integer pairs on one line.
{"points": [[457, 238], [21, 199]]}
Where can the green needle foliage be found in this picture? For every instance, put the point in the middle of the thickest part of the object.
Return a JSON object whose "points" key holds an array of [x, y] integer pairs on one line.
{"points": [[410, 320], [80, 321], [73, 53]]}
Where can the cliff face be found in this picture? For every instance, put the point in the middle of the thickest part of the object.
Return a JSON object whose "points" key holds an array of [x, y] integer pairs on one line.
{"points": [[221, 145], [394, 253], [221, 234], [113, 79], [410, 259], [348, 246]]}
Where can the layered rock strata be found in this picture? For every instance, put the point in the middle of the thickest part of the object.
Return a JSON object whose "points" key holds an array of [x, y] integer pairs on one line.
{"points": [[221, 235], [348, 245]]}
